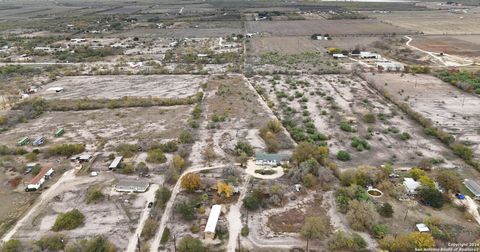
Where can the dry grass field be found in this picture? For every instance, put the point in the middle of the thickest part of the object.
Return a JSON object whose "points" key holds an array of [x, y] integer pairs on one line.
{"points": [[448, 44], [332, 27], [434, 22], [294, 45]]}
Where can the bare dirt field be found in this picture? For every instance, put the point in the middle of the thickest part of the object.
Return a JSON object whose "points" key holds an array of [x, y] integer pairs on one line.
{"points": [[293, 45], [116, 216], [182, 32], [112, 126], [118, 86], [332, 27], [448, 44], [448, 107], [328, 100], [434, 22]]}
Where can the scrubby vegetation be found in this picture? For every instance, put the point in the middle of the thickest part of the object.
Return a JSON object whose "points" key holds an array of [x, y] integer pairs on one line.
{"points": [[66, 150], [468, 81], [69, 220]]}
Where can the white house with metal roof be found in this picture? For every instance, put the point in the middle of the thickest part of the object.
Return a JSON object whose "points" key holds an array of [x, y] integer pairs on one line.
{"points": [[212, 222], [411, 185], [271, 159]]}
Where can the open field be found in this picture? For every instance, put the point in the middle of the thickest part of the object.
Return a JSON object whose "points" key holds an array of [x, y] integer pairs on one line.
{"points": [[434, 22], [118, 86], [447, 106], [331, 100], [294, 45], [457, 45], [332, 27]]}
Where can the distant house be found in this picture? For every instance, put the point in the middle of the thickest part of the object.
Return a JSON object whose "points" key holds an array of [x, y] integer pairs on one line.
{"points": [[212, 222], [411, 185], [132, 186], [38, 141], [338, 56], [39, 179], [273, 159], [115, 163], [473, 187], [369, 55], [23, 141], [59, 132], [390, 66]]}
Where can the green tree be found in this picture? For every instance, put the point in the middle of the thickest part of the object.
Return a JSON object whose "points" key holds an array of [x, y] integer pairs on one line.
{"points": [[191, 182], [32, 156], [186, 210], [380, 230], [343, 155], [314, 227], [243, 147], [385, 210], [431, 197], [162, 196], [449, 180], [52, 242]]}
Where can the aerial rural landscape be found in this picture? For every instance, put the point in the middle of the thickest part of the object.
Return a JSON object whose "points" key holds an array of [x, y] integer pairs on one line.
{"points": [[239, 125]]}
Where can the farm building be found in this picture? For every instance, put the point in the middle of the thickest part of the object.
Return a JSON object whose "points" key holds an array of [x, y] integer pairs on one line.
{"points": [[390, 66], [38, 141], [274, 159], [411, 185], [338, 56], [212, 222], [365, 55], [81, 158], [39, 179], [115, 163], [132, 186], [473, 187]]}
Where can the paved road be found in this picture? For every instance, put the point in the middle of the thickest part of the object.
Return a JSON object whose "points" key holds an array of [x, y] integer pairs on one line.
{"points": [[168, 209], [150, 195]]}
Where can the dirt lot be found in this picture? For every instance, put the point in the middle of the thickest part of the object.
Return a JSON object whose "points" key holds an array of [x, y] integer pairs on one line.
{"points": [[448, 107], [329, 100], [293, 45], [449, 45], [118, 86], [332, 27], [116, 216], [434, 22], [108, 126]]}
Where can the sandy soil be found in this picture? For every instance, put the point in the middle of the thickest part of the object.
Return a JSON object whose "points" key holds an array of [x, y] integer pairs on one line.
{"points": [[447, 106], [353, 98], [118, 86]]}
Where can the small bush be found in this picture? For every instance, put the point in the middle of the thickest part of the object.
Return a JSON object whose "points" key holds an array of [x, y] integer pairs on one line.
{"points": [[149, 229], [369, 118], [68, 221], [245, 231], [346, 126], [343, 156], [52, 242], [94, 195], [385, 210], [344, 241], [380, 230], [156, 156], [127, 150], [185, 137], [405, 136], [165, 236], [162, 196]]}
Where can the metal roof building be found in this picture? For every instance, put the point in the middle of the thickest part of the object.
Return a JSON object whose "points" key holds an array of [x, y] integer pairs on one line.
{"points": [[473, 187], [212, 221], [132, 186], [271, 159], [411, 185], [115, 163]]}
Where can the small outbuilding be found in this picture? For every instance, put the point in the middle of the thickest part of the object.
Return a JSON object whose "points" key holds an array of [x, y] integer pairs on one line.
{"points": [[422, 228], [38, 141], [55, 89], [271, 159], [473, 187], [212, 222], [132, 186], [411, 185], [338, 56]]}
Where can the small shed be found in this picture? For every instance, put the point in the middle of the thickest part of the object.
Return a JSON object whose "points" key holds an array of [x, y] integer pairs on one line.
{"points": [[212, 222], [369, 55], [473, 187], [55, 89], [38, 141], [59, 132], [84, 158], [422, 228], [338, 56], [115, 163], [271, 159], [411, 185], [23, 141], [132, 186]]}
